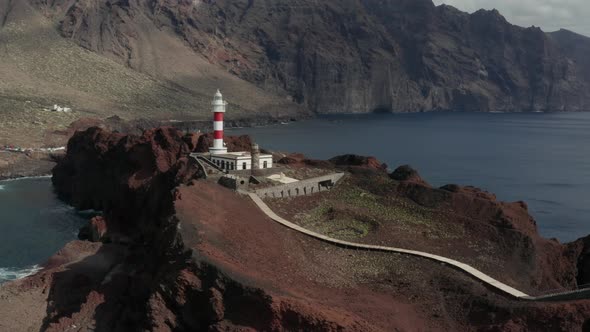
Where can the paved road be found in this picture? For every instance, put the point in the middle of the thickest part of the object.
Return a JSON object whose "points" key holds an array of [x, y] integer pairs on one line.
{"points": [[491, 282]]}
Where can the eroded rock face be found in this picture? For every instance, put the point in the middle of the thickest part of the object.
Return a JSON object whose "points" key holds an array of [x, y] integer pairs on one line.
{"points": [[581, 250], [353, 56], [406, 173], [233, 143], [129, 178], [349, 162]]}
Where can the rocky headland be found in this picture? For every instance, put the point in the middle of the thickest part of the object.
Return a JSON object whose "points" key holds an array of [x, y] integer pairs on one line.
{"points": [[174, 252]]}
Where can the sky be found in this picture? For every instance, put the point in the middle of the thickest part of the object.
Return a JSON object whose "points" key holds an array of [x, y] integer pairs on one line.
{"points": [[550, 15]]}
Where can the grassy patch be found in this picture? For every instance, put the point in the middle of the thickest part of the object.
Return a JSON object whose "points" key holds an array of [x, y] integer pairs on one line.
{"points": [[349, 212]]}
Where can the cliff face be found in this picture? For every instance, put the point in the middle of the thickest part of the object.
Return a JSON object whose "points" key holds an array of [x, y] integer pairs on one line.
{"points": [[349, 56], [128, 177]]}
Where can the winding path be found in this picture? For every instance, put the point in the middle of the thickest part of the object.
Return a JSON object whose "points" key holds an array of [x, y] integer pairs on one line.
{"points": [[482, 277]]}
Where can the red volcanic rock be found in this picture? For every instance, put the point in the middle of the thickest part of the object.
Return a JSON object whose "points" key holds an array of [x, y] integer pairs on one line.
{"points": [[349, 160], [98, 229], [359, 161], [299, 160], [407, 174], [293, 158], [234, 143], [216, 304], [192, 140], [581, 250], [127, 177], [509, 226]]}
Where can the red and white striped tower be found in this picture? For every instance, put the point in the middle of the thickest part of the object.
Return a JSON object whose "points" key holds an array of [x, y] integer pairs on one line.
{"points": [[218, 111]]}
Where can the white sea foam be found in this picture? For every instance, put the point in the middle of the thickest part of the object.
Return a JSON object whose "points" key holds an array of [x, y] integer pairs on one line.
{"points": [[27, 178], [7, 273], [1, 187]]}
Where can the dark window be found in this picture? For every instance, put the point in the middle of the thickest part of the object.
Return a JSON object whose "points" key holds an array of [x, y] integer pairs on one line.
{"points": [[223, 164], [243, 165], [265, 165]]}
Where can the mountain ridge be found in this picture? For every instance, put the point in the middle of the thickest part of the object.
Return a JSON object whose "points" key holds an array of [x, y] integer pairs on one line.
{"points": [[351, 56], [158, 59]]}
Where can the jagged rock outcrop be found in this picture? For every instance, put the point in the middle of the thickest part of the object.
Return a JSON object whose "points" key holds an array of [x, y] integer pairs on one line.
{"points": [[407, 174], [581, 249], [349, 56], [233, 143], [123, 175], [358, 161]]}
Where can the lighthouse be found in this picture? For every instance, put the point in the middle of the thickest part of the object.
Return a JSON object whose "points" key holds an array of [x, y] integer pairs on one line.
{"points": [[232, 161], [218, 112]]}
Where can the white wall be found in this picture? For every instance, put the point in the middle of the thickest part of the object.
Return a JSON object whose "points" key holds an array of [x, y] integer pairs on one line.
{"points": [[239, 162], [268, 161]]}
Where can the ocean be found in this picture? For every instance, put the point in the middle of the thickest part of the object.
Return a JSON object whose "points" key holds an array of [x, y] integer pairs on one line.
{"points": [[34, 224], [540, 158]]}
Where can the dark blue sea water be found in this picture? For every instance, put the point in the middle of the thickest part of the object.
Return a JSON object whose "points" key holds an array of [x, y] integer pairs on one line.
{"points": [[34, 225], [543, 159]]}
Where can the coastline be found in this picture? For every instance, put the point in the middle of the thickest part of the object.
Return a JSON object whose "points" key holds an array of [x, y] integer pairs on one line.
{"points": [[8, 274], [18, 172], [15, 165], [17, 178]]}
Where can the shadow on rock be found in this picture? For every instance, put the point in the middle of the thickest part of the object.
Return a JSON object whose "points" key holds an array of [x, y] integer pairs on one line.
{"points": [[91, 287]]}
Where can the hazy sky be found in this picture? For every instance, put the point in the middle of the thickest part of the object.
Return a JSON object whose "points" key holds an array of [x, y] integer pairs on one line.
{"points": [[550, 15]]}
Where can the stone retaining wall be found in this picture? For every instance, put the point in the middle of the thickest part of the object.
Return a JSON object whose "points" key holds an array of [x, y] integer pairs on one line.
{"points": [[301, 188]]}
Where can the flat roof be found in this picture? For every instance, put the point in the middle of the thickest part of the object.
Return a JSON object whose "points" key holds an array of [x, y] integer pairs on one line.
{"points": [[282, 178]]}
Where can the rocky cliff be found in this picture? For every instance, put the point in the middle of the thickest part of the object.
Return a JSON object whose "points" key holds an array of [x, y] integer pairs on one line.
{"points": [[344, 56], [182, 254]]}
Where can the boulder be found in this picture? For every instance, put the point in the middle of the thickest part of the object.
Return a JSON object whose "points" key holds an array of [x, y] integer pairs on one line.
{"points": [[406, 173], [358, 161]]}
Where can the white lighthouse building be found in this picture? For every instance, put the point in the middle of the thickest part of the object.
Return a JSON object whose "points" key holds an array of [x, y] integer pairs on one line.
{"points": [[218, 111]]}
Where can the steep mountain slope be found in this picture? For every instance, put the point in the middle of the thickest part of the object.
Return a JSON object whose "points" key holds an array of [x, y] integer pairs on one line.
{"points": [[40, 68], [340, 56], [576, 47]]}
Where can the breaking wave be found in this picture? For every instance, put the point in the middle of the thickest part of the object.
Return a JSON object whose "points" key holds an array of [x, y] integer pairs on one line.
{"points": [[8, 273], [27, 178]]}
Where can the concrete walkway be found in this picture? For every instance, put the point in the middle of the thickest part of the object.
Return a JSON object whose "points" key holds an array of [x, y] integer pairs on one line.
{"points": [[482, 277]]}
